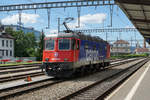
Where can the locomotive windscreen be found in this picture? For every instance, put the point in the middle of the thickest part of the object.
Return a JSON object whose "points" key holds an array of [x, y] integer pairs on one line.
{"points": [[64, 44], [49, 44]]}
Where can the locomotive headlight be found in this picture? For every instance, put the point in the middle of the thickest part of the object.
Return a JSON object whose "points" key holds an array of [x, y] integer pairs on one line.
{"points": [[46, 59]]}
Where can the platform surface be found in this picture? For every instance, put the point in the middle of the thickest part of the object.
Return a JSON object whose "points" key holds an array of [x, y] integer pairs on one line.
{"points": [[137, 87], [22, 82]]}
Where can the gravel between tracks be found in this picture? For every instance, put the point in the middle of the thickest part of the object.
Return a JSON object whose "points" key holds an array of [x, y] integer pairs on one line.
{"points": [[59, 90]]}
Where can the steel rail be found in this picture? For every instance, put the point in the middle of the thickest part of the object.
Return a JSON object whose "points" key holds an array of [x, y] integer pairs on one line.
{"points": [[18, 66], [18, 77], [23, 76], [21, 89], [101, 97], [18, 70]]}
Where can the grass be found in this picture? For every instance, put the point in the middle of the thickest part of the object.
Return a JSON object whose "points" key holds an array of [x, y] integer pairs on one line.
{"points": [[20, 63]]}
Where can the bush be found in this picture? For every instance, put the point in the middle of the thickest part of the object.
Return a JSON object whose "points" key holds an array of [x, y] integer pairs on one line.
{"points": [[130, 56]]}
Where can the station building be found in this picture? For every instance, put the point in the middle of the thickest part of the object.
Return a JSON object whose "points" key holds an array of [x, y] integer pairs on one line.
{"points": [[6, 46]]}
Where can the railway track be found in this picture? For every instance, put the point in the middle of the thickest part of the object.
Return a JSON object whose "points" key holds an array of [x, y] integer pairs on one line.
{"points": [[2, 72], [35, 74], [11, 73], [21, 89], [17, 77], [100, 89], [19, 66], [116, 60]]}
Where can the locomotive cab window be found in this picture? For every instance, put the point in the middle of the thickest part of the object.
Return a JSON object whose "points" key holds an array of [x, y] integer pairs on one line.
{"points": [[78, 44], [49, 44], [64, 44], [73, 44]]}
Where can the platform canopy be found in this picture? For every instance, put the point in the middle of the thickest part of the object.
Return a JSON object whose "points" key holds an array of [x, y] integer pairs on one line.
{"points": [[138, 11]]}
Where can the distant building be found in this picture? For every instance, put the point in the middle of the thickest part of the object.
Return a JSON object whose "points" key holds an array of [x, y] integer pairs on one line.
{"points": [[120, 47], [6, 46], [132, 49], [24, 29], [141, 50]]}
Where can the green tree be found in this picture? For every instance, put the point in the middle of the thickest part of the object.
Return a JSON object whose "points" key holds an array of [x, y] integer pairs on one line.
{"points": [[40, 46], [9, 30], [25, 44], [31, 44], [20, 44]]}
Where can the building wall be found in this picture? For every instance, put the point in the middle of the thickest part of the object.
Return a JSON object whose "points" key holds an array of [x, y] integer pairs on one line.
{"points": [[6, 48], [118, 49]]}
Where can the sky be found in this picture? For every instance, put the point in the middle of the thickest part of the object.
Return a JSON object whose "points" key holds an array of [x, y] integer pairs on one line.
{"points": [[91, 18]]}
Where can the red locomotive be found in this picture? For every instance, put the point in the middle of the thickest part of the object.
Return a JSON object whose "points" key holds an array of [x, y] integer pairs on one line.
{"points": [[67, 53]]}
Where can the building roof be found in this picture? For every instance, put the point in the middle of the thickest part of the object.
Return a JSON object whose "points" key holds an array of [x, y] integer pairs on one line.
{"points": [[121, 42], [141, 50], [6, 35], [138, 11]]}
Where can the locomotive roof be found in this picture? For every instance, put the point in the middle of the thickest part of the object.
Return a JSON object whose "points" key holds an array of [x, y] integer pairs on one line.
{"points": [[76, 35], [62, 35]]}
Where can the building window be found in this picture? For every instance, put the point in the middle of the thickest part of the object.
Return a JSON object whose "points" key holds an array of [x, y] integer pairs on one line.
{"points": [[6, 43], [6, 52], [10, 53], [2, 52], [2, 43], [10, 43]]}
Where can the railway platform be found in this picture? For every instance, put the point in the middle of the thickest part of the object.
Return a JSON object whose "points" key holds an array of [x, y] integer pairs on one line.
{"points": [[22, 82], [135, 88]]}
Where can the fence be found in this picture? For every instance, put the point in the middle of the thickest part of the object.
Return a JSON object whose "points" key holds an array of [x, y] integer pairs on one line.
{"points": [[17, 60]]}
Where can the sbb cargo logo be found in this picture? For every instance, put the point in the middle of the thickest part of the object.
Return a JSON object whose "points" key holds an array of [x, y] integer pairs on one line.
{"points": [[91, 55]]}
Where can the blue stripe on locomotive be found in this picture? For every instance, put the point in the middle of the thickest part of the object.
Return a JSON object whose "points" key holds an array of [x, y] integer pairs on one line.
{"points": [[100, 53]]}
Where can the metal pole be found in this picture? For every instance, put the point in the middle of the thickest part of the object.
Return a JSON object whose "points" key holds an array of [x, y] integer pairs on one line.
{"points": [[78, 11], [106, 36], [58, 25], [48, 14]]}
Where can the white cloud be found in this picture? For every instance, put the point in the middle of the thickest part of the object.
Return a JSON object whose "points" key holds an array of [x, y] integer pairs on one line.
{"points": [[26, 18], [75, 25], [93, 19], [89, 19]]}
